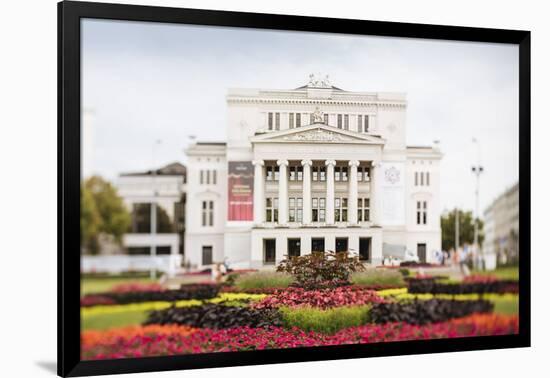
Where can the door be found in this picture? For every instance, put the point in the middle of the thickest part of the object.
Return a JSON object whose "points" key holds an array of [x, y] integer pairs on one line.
{"points": [[421, 252], [293, 247], [341, 244], [269, 251], [364, 249], [317, 244], [207, 255]]}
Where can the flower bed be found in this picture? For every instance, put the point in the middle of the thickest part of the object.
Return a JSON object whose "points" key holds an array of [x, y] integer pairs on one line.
{"points": [[324, 298], [194, 291], [246, 338], [216, 316], [432, 286], [424, 312], [137, 287]]}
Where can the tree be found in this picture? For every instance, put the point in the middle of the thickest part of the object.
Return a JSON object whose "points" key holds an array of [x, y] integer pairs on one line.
{"points": [[102, 212], [89, 220], [466, 229]]}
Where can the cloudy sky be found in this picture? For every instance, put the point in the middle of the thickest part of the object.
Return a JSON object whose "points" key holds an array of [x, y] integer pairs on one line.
{"points": [[146, 82]]}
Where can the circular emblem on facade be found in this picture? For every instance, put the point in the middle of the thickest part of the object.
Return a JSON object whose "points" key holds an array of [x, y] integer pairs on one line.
{"points": [[392, 175]]}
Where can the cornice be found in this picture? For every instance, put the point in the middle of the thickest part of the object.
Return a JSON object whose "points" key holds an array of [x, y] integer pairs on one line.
{"points": [[317, 101]]}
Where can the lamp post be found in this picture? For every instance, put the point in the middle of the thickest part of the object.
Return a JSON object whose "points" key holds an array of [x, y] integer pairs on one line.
{"points": [[477, 170], [153, 271]]}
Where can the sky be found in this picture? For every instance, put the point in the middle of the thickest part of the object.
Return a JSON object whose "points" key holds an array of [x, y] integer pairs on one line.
{"points": [[150, 86]]}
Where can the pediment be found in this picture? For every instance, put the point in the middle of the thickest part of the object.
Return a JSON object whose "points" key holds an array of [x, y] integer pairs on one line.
{"points": [[317, 133]]}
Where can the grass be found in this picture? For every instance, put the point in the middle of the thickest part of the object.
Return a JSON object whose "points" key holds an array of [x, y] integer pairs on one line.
{"points": [[263, 280], [506, 305], [102, 284], [325, 321], [504, 273], [101, 321], [378, 277]]}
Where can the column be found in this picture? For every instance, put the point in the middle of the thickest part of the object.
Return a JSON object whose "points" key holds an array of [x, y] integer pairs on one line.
{"points": [[330, 191], [375, 195], [283, 191], [352, 194], [306, 192], [259, 190]]}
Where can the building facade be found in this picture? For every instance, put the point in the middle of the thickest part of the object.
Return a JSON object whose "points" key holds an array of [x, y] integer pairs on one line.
{"points": [[315, 168], [501, 227]]}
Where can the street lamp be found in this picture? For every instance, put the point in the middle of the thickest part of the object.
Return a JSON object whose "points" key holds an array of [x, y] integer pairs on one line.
{"points": [[477, 170], [153, 271]]}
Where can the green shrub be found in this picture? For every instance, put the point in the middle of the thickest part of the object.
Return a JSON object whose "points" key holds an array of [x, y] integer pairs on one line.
{"points": [[321, 268], [325, 321], [405, 272], [263, 280], [375, 277]]}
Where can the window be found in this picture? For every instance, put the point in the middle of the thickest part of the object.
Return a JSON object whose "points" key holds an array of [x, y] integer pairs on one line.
{"points": [[346, 121], [363, 209], [421, 212], [270, 121], [366, 125], [311, 118], [318, 209], [359, 123], [340, 209], [207, 177], [272, 173], [415, 178], [298, 119], [339, 121], [207, 213], [214, 178], [206, 254], [277, 121], [317, 244], [293, 247], [325, 116], [340, 173], [295, 173], [318, 173], [269, 251], [290, 120], [295, 209], [421, 178], [363, 174], [427, 178], [141, 218], [272, 209], [201, 177]]}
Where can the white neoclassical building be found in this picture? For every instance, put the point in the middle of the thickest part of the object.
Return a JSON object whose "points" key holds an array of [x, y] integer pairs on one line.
{"points": [[307, 169]]}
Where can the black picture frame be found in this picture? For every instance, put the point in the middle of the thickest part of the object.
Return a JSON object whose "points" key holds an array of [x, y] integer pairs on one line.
{"points": [[69, 16]]}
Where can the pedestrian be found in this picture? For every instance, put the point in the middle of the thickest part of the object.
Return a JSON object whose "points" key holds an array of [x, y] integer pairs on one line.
{"points": [[464, 256]]}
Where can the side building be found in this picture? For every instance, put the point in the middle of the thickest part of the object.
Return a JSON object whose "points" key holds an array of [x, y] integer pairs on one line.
{"points": [[163, 188], [501, 227], [312, 169]]}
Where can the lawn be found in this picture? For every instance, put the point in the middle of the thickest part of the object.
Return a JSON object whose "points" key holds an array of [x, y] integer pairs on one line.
{"points": [[505, 273], [101, 284], [113, 320]]}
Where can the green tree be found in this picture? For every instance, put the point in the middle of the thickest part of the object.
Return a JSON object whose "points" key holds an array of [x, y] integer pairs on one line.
{"points": [[466, 229], [89, 220], [102, 212]]}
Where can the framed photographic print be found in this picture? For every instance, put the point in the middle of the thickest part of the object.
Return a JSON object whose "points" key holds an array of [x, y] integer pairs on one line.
{"points": [[240, 188]]}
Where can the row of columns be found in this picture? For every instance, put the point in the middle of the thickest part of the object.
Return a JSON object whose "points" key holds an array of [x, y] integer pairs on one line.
{"points": [[259, 190]]}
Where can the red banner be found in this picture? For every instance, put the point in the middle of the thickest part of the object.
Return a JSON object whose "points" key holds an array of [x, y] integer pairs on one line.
{"points": [[240, 191]]}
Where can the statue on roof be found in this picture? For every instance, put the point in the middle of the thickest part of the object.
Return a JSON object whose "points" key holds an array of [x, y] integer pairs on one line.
{"points": [[317, 81]]}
